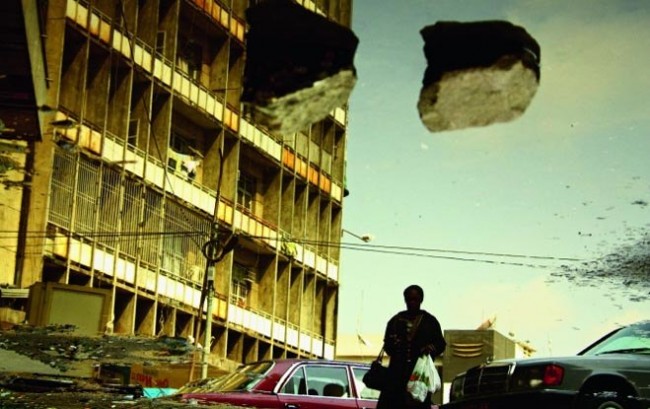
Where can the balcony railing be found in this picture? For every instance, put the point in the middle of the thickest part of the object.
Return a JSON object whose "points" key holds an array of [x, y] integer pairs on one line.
{"points": [[125, 269], [152, 170]]}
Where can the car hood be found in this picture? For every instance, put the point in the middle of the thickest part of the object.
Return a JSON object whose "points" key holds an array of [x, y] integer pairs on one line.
{"points": [[578, 360]]}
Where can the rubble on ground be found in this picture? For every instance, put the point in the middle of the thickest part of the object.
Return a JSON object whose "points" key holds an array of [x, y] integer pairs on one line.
{"points": [[52, 367], [59, 347], [88, 400]]}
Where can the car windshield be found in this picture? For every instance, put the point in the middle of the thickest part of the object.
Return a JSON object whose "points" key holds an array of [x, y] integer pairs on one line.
{"points": [[634, 339], [242, 379]]}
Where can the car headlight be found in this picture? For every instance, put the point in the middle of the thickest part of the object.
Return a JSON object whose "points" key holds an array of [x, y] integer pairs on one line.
{"points": [[538, 376], [456, 391]]}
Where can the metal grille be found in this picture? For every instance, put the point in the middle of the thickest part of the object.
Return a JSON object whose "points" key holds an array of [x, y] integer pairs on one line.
{"points": [[62, 189], [131, 217], [109, 208], [87, 194], [486, 381], [151, 227], [185, 233], [114, 210]]}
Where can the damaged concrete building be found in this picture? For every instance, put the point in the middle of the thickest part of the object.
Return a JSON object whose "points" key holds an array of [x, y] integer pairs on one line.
{"points": [[146, 163]]}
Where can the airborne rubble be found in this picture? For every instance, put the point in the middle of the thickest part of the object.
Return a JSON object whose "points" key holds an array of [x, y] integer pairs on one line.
{"points": [[627, 269]]}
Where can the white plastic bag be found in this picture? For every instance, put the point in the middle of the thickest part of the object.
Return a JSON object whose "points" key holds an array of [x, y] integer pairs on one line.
{"points": [[424, 379]]}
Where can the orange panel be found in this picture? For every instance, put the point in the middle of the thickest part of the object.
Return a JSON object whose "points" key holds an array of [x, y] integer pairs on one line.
{"points": [[313, 175], [289, 159], [324, 183], [302, 168], [216, 11]]}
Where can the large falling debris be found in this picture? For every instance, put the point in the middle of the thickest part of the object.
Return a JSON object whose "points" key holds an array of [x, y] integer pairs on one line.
{"points": [[299, 65], [478, 73]]}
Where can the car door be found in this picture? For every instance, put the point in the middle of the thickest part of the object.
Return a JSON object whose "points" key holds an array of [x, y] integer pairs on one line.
{"points": [[318, 386], [366, 397]]}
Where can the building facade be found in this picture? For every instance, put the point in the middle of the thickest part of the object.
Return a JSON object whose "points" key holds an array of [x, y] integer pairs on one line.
{"points": [[147, 163]]}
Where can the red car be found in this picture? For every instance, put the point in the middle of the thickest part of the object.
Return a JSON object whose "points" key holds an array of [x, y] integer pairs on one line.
{"points": [[287, 384]]}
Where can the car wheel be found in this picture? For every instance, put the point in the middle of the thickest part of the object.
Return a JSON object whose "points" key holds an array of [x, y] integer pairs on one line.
{"points": [[610, 404]]}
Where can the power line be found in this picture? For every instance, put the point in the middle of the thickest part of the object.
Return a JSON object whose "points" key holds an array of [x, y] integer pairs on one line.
{"points": [[452, 258], [383, 249], [352, 246]]}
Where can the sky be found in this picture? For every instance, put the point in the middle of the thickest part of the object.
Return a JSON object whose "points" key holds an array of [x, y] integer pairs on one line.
{"points": [[570, 178]]}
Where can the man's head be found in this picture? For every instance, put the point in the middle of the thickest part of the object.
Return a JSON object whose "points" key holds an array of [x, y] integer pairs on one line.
{"points": [[413, 296]]}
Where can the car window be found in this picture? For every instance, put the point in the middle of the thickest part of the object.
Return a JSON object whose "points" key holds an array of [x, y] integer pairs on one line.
{"points": [[296, 384], [319, 380], [630, 339], [328, 381], [364, 391]]}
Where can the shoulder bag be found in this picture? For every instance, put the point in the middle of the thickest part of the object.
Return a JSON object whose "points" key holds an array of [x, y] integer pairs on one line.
{"points": [[377, 376]]}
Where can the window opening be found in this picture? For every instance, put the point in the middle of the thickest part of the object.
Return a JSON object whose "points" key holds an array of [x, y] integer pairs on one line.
{"points": [[240, 285], [183, 158], [132, 137], [189, 58], [246, 190], [161, 38]]}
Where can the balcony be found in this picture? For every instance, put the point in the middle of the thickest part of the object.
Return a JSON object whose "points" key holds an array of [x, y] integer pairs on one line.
{"points": [[189, 90]]}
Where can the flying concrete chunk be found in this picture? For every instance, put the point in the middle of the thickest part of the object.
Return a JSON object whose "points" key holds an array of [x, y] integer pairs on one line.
{"points": [[299, 65], [478, 73]]}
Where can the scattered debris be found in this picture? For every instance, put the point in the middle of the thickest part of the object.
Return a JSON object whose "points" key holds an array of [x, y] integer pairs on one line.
{"points": [[478, 73], [59, 347], [626, 269], [55, 367]]}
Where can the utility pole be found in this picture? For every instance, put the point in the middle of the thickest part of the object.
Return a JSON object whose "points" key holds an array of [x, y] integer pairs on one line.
{"points": [[208, 326], [210, 251], [213, 251]]}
